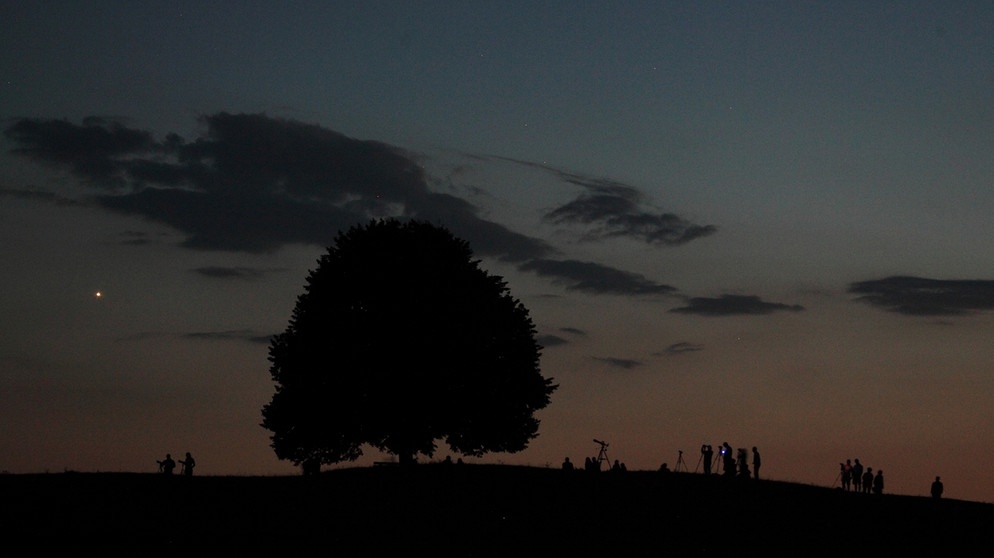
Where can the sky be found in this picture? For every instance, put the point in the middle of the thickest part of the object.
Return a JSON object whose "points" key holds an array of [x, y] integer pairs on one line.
{"points": [[766, 223]]}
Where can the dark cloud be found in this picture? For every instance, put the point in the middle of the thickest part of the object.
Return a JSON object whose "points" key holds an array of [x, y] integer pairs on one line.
{"points": [[615, 209], [221, 272], [97, 150], [733, 305], [595, 278], [232, 335], [254, 183], [624, 363], [136, 238], [550, 340], [486, 237], [680, 348], [38, 195], [918, 296], [613, 212]]}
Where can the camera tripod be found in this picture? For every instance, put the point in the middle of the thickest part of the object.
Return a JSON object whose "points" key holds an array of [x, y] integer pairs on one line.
{"points": [[700, 460], [680, 464]]}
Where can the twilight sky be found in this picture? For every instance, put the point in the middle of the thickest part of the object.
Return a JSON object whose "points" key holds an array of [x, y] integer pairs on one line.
{"points": [[767, 223]]}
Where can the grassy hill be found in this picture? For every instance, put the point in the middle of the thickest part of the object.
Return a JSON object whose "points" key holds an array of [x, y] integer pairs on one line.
{"points": [[473, 510]]}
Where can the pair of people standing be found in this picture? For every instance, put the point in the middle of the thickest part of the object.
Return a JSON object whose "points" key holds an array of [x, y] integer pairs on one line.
{"points": [[167, 465], [867, 482]]}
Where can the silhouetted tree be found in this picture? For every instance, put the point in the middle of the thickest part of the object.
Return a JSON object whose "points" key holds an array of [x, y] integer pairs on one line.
{"points": [[400, 340]]}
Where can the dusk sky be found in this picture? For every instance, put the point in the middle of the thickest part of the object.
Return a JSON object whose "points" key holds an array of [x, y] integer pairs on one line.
{"points": [[766, 223]]}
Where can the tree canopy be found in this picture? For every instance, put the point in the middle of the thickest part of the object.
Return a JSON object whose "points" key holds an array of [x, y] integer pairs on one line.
{"points": [[399, 340]]}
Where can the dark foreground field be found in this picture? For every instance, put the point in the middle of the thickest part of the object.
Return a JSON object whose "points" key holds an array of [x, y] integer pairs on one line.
{"points": [[472, 510]]}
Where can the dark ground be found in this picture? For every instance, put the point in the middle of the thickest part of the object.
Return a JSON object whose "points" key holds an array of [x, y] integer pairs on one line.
{"points": [[473, 510]]}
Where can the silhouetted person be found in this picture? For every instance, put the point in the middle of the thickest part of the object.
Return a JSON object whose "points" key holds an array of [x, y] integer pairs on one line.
{"points": [[167, 465], [937, 488], [743, 463], [706, 455], [727, 460], [588, 466], [617, 467], [756, 462], [857, 476], [567, 465], [867, 480], [188, 464], [846, 475], [878, 482], [664, 468]]}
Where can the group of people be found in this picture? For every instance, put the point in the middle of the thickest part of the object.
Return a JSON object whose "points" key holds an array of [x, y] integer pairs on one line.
{"points": [[732, 466], [167, 465], [593, 465], [856, 478]]}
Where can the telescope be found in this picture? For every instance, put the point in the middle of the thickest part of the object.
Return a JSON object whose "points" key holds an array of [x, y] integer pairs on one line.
{"points": [[596, 441]]}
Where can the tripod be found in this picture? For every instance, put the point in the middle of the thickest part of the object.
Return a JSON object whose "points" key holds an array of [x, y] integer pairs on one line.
{"points": [[602, 455], [680, 465], [709, 465]]}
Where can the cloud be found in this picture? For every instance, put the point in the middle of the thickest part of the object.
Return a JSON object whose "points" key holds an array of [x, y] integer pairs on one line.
{"points": [[550, 340], [680, 348], [253, 183], [623, 363], [230, 335], [916, 296], [220, 272], [98, 150], [595, 278], [733, 305], [615, 209], [37, 195]]}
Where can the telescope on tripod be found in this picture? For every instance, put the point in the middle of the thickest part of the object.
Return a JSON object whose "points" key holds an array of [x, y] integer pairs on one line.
{"points": [[602, 455]]}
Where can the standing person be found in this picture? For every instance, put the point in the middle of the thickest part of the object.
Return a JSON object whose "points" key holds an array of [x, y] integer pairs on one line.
{"points": [[567, 464], [727, 460], [878, 482], [847, 475], [937, 488], [167, 465], [857, 476], [867, 480], [756, 462], [707, 454], [743, 463], [188, 465]]}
